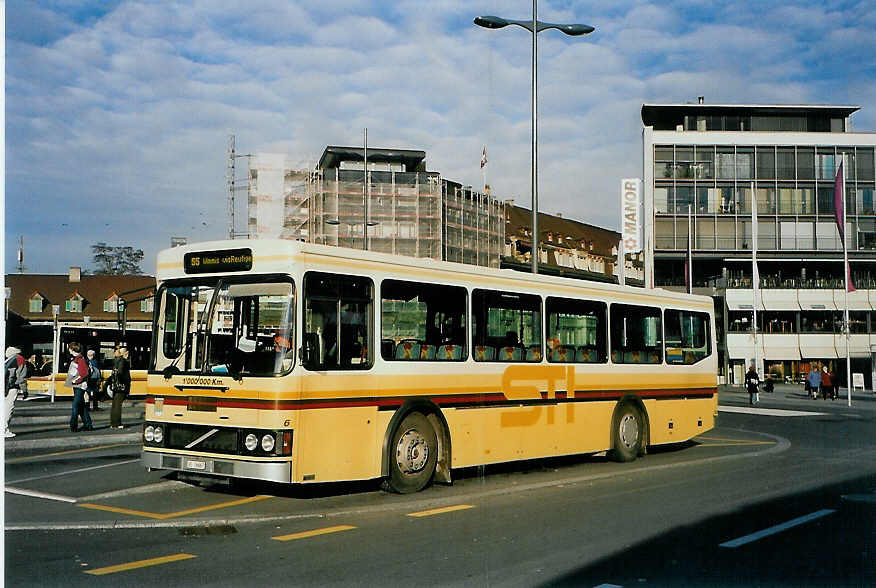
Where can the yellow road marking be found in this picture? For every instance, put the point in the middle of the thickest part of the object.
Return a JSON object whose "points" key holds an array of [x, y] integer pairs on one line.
{"points": [[29, 457], [313, 533], [435, 511], [140, 564], [171, 515]]}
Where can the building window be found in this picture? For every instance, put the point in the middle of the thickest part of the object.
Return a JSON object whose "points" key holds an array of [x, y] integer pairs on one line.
{"points": [[766, 163], [785, 169], [111, 304], [662, 202], [73, 305], [35, 305], [864, 164], [147, 305], [805, 163], [865, 201], [725, 164]]}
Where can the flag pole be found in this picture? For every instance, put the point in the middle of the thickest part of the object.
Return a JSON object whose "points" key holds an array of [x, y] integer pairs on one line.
{"points": [[846, 275], [755, 275], [689, 260]]}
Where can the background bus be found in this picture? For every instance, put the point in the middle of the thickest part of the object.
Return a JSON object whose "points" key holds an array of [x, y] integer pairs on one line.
{"points": [[103, 340], [294, 362]]}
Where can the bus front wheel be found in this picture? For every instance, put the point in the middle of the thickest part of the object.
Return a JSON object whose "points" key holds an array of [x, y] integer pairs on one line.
{"points": [[627, 434], [413, 455]]}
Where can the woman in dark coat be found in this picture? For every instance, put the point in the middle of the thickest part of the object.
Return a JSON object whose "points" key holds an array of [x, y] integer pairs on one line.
{"points": [[121, 383]]}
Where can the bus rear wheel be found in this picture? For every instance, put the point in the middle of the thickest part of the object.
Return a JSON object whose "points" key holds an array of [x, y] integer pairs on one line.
{"points": [[413, 455], [627, 434]]}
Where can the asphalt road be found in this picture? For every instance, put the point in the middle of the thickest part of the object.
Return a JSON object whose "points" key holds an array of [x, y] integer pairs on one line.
{"points": [[763, 500]]}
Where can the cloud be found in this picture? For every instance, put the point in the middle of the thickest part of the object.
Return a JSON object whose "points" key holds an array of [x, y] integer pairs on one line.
{"points": [[118, 115]]}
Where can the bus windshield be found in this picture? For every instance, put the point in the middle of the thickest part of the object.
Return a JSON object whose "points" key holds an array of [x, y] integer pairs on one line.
{"points": [[229, 327]]}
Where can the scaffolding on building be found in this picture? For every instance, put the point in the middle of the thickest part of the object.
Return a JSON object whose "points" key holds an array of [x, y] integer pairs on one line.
{"points": [[411, 213], [474, 226], [404, 211]]}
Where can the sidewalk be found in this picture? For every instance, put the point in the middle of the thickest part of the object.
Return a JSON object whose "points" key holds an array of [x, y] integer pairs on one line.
{"points": [[39, 423], [787, 395]]}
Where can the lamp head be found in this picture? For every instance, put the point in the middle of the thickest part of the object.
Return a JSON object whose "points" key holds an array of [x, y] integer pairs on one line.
{"points": [[576, 30], [491, 22]]}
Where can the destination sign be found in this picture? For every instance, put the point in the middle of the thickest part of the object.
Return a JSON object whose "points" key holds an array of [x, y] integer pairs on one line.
{"points": [[227, 260]]}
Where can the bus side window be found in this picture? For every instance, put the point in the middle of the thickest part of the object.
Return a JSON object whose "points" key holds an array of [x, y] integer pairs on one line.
{"points": [[576, 331], [422, 322], [508, 322], [636, 334], [687, 336], [338, 322]]}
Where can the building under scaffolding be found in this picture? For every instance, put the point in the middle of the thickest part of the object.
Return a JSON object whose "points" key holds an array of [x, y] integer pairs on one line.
{"points": [[403, 209]]}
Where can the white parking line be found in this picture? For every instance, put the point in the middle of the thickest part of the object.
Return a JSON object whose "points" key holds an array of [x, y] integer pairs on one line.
{"points": [[107, 465], [36, 494], [777, 412], [777, 528]]}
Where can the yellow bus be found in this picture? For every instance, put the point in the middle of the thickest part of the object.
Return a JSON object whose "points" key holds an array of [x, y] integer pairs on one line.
{"points": [[299, 363]]}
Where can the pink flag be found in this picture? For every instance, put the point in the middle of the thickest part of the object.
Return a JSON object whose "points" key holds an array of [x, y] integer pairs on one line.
{"points": [[839, 203], [484, 158]]}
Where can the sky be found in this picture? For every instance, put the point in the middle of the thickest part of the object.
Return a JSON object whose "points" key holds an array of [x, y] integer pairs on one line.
{"points": [[118, 112]]}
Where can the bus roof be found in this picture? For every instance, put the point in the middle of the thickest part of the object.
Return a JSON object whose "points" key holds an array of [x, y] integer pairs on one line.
{"points": [[279, 255]]}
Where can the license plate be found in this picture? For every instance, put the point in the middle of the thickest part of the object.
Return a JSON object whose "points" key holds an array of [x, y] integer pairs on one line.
{"points": [[193, 464]]}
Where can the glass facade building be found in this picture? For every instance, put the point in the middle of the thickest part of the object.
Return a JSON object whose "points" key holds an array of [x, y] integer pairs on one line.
{"points": [[708, 167]]}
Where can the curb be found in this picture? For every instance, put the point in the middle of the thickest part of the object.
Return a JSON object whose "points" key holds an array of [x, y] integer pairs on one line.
{"points": [[72, 442], [60, 419]]}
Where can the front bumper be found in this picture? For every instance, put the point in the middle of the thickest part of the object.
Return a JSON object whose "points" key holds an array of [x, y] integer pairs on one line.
{"points": [[228, 467]]}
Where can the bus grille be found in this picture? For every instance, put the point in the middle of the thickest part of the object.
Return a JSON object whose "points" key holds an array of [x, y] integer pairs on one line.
{"points": [[182, 436]]}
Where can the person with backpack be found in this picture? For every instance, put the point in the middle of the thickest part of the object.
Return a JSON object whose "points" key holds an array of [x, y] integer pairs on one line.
{"points": [[15, 381], [77, 378], [94, 378]]}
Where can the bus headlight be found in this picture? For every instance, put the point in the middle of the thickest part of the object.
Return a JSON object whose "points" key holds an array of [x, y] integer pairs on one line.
{"points": [[149, 433], [251, 442], [268, 443], [158, 434]]}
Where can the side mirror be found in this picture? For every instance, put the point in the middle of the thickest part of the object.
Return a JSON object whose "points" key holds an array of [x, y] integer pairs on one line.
{"points": [[169, 371]]}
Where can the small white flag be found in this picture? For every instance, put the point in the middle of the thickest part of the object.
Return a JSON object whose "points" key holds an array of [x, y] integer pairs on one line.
{"points": [[484, 157]]}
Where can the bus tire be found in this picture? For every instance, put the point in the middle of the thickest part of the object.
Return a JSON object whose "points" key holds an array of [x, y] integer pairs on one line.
{"points": [[413, 453], [627, 434]]}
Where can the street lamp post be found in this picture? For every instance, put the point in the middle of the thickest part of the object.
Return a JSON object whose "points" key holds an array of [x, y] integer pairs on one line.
{"points": [[534, 26]]}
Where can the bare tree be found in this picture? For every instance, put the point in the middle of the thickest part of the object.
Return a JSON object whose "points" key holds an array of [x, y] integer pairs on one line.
{"points": [[116, 260]]}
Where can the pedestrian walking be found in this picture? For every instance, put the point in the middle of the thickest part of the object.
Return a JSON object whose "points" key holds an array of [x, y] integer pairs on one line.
{"points": [[94, 378], [814, 380], [15, 379], [826, 383], [834, 385], [752, 381], [77, 378], [121, 385]]}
